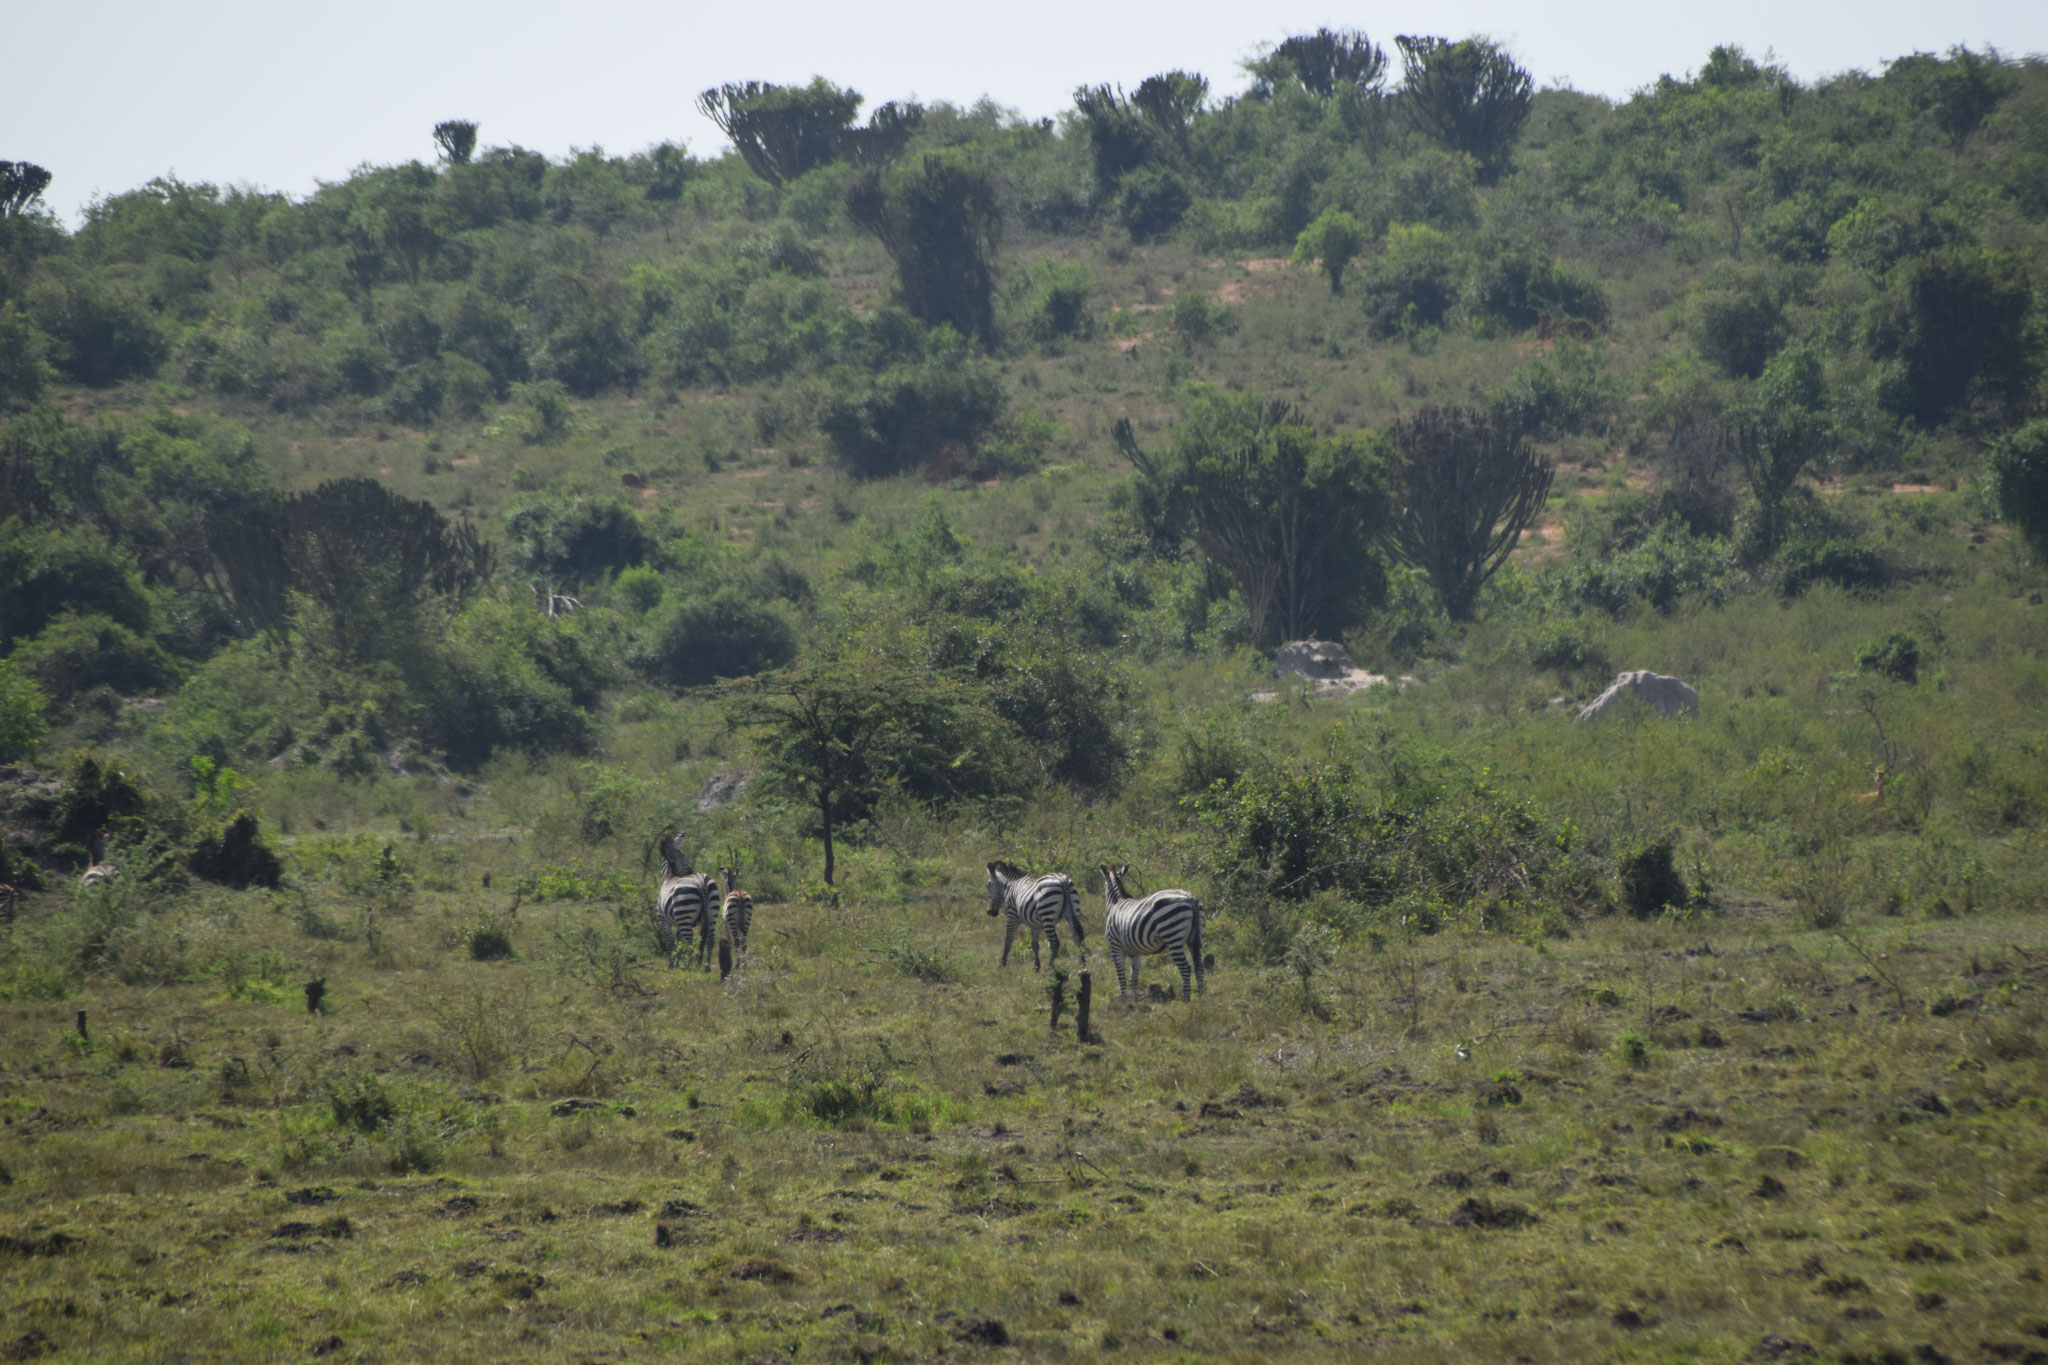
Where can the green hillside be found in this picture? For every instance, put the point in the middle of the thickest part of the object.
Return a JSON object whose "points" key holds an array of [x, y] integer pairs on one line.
{"points": [[912, 486]]}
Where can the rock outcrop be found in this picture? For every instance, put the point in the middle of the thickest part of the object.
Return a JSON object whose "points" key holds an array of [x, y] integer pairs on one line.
{"points": [[1665, 696], [1328, 666]]}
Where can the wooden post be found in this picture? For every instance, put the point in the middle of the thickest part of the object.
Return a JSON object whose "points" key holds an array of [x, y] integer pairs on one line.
{"points": [[83, 1036], [1081, 1013], [724, 958], [1056, 992]]}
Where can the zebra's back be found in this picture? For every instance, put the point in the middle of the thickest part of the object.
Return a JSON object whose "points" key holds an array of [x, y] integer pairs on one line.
{"points": [[685, 907], [1045, 901], [1154, 924]]}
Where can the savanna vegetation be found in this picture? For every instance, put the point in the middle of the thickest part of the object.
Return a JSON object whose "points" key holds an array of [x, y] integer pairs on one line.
{"points": [[382, 571]]}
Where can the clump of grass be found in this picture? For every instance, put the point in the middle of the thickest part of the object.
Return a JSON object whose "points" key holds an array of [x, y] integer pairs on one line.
{"points": [[1650, 881]]}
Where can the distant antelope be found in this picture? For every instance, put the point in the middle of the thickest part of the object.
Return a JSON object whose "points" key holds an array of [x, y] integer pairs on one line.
{"points": [[1168, 922], [1037, 904], [685, 906], [737, 915], [101, 871]]}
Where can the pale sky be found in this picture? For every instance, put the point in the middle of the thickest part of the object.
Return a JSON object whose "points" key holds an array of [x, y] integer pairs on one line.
{"points": [[109, 93]]}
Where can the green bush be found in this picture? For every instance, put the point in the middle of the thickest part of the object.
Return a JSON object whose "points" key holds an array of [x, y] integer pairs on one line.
{"points": [[1414, 281], [1649, 878], [75, 654], [1896, 656], [914, 414], [575, 540], [1845, 561], [2019, 472], [724, 635], [48, 571], [21, 715], [234, 854], [1737, 321], [639, 589]]}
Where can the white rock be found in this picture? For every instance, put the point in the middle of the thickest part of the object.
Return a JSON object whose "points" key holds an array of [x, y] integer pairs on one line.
{"points": [[1666, 696], [1326, 665]]}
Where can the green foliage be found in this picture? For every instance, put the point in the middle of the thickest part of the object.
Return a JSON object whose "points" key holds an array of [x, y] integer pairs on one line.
{"points": [[1737, 321], [575, 541], [1325, 64], [1895, 656], [940, 220], [1467, 483], [1050, 304], [2019, 469], [22, 704], [1650, 881], [96, 795], [639, 589], [1196, 322], [50, 572], [1520, 287], [723, 635], [76, 653], [935, 410], [100, 324], [24, 359], [1954, 325], [234, 854], [1414, 281], [1469, 95], [1332, 240], [1566, 392], [1291, 515], [782, 131]]}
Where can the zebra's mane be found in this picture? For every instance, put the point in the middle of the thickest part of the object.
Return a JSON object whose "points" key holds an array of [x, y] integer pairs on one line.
{"points": [[1007, 868], [672, 857]]}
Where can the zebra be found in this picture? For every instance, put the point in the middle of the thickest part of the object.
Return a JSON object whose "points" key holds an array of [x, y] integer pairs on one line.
{"points": [[687, 905], [1168, 922], [1039, 903], [100, 871], [737, 914]]}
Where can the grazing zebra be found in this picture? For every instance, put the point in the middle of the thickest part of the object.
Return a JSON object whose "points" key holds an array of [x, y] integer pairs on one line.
{"points": [[1168, 922], [1039, 903], [101, 871], [738, 914], [687, 905]]}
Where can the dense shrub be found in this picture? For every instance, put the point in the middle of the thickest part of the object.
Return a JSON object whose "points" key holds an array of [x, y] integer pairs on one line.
{"points": [[911, 415], [234, 854], [76, 653], [1845, 561], [575, 540], [2019, 470], [1413, 282], [723, 635], [1895, 656], [1649, 878]]}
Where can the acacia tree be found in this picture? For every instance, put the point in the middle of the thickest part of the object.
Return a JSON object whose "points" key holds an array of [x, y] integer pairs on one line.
{"points": [[1470, 96], [837, 732], [1776, 434], [456, 138], [1468, 484], [1290, 514], [940, 220]]}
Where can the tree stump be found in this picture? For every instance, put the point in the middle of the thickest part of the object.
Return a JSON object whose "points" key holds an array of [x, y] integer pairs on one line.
{"points": [[1081, 1029]]}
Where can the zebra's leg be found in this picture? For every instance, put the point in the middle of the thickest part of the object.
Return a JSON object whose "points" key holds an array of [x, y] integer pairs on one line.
{"points": [[1136, 958], [1195, 951], [1036, 965], [1116, 960], [1179, 954], [1009, 937], [1052, 936]]}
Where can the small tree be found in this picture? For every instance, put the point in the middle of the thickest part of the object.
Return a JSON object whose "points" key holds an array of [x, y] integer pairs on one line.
{"points": [[1333, 239], [2019, 467], [456, 138], [1469, 96], [835, 733], [1954, 324], [1468, 484], [1169, 102], [1776, 434], [940, 220], [1290, 514]]}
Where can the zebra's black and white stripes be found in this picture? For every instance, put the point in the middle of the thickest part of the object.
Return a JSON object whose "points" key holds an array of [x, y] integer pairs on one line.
{"points": [[737, 916], [1168, 922], [1034, 903], [99, 871], [686, 905]]}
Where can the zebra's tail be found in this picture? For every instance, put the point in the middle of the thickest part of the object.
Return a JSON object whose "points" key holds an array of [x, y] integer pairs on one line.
{"points": [[1071, 895]]}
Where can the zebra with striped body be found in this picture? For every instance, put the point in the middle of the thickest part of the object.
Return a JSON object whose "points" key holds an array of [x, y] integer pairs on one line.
{"points": [[1168, 922], [687, 905], [737, 915], [1039, 903]]}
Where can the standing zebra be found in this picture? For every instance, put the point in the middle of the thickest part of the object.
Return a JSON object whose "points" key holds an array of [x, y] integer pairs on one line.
{"points": [[737, 916], [1168, 922], [101, 871], [1037, 902], [687, 904]]}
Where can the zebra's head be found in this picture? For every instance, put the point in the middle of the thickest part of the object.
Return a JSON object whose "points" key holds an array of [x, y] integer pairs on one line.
{"points": [[1113, 882], [672, 860], [1000, 875], [731, 876]]}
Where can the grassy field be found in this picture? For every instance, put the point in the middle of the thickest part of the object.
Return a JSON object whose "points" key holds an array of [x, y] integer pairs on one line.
{"points": [[1707, 1138]]}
